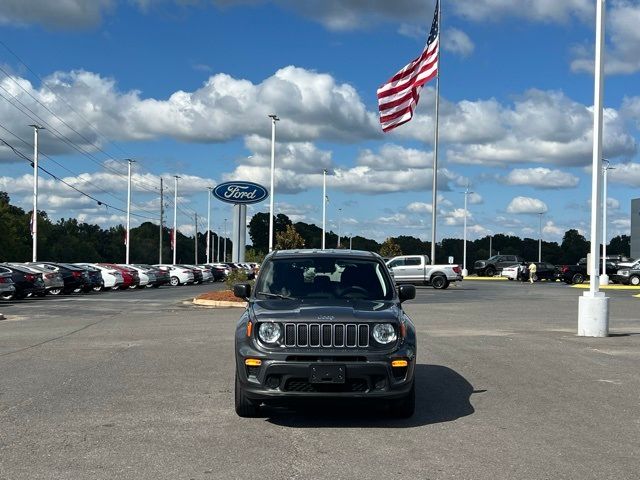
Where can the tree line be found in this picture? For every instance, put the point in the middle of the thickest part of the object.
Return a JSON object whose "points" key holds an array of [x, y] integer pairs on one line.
{"points": [[69, 240]]}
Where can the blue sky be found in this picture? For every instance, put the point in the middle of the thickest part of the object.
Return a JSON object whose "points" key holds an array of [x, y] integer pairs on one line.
{"points": [[185, 88]]}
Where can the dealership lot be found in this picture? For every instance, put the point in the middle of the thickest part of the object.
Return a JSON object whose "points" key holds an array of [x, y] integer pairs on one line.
{"points": [[140, 385]]}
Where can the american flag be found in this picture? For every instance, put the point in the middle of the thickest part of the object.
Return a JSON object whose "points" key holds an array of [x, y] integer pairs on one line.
{"points": [[399, 96]]}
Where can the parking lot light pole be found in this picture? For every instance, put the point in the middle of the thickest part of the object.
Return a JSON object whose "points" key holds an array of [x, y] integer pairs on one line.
{"points": [[540, 238], [593, 306], [225, 240], [604, 278], [34, 215], [339, 220], [465, 272], [126, 239], [209, 189], [274, 119], [324, 206], [174, 238]]}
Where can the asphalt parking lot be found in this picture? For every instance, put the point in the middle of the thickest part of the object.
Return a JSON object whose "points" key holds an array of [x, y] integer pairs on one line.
{"points": [[139, 385]]}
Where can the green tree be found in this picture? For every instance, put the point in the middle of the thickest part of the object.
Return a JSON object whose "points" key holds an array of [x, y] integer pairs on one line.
{"points": [[620, 245], [390, 249], [574, 247], [289, 239]]}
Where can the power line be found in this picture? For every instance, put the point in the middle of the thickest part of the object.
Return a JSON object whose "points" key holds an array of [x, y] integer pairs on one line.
{"points": [[99, 202], [78, 176]]}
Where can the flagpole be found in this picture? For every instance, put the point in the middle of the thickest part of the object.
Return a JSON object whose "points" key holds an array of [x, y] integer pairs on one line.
{"points": [[434, 193]]}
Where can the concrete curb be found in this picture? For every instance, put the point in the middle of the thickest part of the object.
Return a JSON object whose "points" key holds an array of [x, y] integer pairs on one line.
{"points": [[608, 287], [218, 303]]}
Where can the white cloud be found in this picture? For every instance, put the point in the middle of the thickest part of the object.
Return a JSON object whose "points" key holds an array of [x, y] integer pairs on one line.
{"points": [[57, 14], [475, 199], [551, 229], [622, 55], [456, 41], [625, 174], [612, 203], [526, 205], [540, 178], [420, 207], [456, 217]]}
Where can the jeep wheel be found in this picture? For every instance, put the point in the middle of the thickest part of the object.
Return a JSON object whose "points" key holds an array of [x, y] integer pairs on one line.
{"points": [[55, 291], [634, 280], [577, 278], [175, 281], [439, 282], [244, 406], [490, 271], [406, 406]]}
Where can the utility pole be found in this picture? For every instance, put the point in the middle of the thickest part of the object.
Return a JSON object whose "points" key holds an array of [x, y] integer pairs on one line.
{"points": [[490, 245], [350, 241], [174, 239], [324, 205], [209, 190], [274, 119], [127, 242], [196, 237], [161, 218], [218, 247], [34, 216]]}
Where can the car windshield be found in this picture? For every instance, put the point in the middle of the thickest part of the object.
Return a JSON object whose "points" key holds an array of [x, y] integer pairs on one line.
{"points": [[324, 278], [495, 257]]}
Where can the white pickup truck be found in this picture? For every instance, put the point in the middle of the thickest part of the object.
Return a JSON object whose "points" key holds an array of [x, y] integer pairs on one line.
{"points": [[417, 269]]}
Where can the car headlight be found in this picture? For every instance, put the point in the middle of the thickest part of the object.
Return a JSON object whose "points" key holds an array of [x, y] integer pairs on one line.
{"points": [[624, 273], [269, 332], [384, 333]]}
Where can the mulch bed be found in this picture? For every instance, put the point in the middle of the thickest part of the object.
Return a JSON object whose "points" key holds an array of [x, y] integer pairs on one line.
{"points": [[220, 296]]}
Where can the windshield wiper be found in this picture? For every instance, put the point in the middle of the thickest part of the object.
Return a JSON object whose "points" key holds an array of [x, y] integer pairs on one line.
{"points": [[275, 295]]}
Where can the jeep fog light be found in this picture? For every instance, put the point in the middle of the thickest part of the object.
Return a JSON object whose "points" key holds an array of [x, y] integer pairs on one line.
{"points": [[384, 333], [269, 332]]}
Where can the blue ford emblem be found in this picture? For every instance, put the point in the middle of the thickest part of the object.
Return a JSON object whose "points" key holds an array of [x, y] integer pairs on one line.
{"points": [[240, 192]]}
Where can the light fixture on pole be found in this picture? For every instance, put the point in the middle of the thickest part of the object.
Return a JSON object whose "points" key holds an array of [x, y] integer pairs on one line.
{"points": [[174, 235], [34, 214], [465, 272], [274, 119], [540, 238], [324, 206], [593, 306], [209, 190], [126, 238], [604, 278]]}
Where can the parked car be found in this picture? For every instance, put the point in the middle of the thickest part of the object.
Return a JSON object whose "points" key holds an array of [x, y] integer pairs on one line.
{"points": [[7, 288], [514, 272], [342, 334], [207, 276], [53, 281], [544, 271], [574, 274], [130, 277], [416, 269], [495, 264], [95, 278], [25, 282], [111, 278], [219, 271], [145, 276], [628, 275], [177, 275], [160, 277], [74, 278], [197, 273]]}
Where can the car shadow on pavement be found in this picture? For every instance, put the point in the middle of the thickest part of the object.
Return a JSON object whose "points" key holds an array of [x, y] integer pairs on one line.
{"points": [[442, 395]]}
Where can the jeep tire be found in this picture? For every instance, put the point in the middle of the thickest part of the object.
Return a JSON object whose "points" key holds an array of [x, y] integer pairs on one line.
{"points": [[244, 406]]}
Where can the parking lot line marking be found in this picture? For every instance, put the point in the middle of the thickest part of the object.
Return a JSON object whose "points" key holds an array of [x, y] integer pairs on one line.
{"points": [[608, 287], [485, 278]]}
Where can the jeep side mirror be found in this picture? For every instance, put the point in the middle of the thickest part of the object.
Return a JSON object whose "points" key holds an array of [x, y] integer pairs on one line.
{"points": [[242, 290], [406, 292]]}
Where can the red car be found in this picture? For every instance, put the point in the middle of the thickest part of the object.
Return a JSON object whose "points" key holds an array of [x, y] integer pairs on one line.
{"points": [[130, 276]]}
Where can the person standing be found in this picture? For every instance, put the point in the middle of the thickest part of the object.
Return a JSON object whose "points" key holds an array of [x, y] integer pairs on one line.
{"points": [[532, 272]]}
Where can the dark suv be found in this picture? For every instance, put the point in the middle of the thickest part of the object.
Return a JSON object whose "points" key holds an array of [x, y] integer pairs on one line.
{"points": [[324, 324], [495, 264]]}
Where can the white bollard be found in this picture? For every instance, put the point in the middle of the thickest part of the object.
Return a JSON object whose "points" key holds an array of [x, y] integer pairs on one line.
{"points": [[593, 315]]}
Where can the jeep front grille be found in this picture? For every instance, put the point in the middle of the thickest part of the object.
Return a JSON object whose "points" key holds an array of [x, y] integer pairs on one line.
{"points": [[326, 335]]}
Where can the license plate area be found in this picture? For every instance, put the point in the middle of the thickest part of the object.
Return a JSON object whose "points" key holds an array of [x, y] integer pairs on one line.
{"points": [[327, 374]]}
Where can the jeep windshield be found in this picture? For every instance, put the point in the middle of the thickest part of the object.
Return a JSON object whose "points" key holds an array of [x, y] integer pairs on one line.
{"points": [[324, 278]]}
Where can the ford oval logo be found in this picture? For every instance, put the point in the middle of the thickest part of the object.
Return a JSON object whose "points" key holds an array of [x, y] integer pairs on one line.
{"points": [[240, 192]]}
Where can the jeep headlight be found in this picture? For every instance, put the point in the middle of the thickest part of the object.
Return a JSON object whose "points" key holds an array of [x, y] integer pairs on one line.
{"points": [[269, 332], [384, 333]]}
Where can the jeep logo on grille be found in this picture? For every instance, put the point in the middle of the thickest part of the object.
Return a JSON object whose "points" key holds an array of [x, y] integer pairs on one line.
{"points": [[326, 318]]}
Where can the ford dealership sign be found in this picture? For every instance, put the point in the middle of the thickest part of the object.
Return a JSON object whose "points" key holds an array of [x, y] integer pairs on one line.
{"points": [[240, 192]]}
